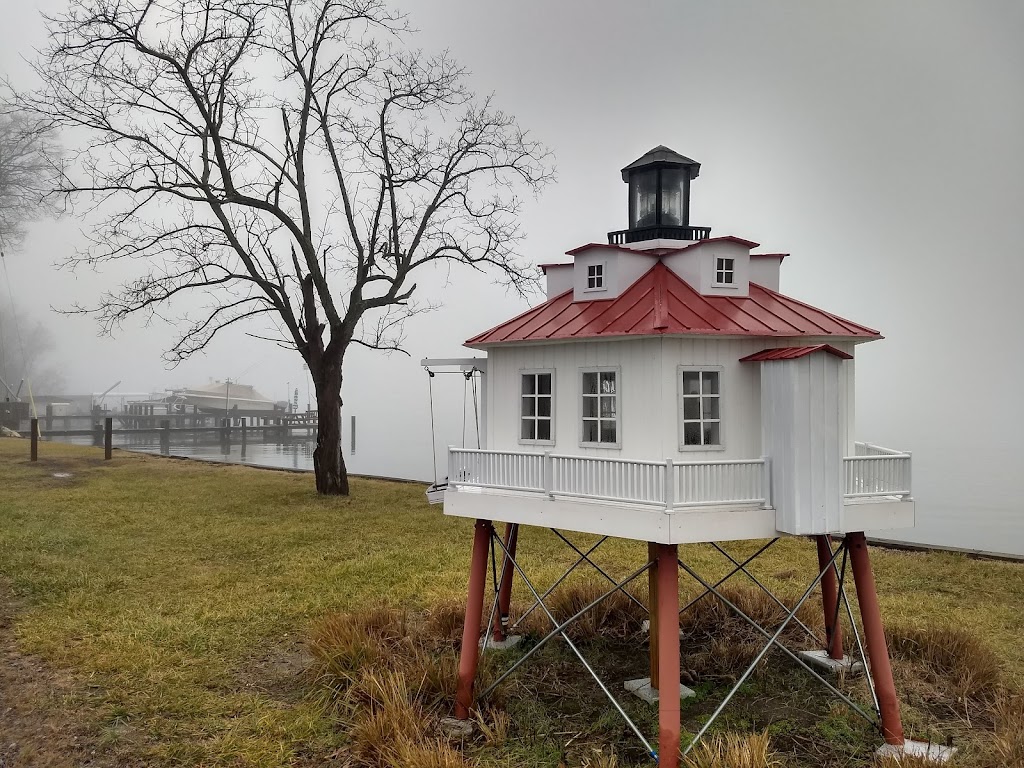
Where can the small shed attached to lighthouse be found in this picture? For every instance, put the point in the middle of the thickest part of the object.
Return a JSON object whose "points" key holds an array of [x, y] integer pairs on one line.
{"points": [[667, 391]]}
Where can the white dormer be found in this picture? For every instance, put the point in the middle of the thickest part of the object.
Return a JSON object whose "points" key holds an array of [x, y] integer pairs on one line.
{"points": [[604, 272], [715, 267], [764, 269]]}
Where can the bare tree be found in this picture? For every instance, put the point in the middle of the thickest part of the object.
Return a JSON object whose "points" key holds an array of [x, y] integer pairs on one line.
{"points": [[28, 154], [27, 362], [288, 159]]}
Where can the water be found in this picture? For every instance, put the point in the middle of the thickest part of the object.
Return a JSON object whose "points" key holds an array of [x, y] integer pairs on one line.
{"points": [[296, 453]]}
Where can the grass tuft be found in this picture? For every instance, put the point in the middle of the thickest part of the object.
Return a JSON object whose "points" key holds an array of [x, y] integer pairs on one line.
{"points": [[615, 616], [733, 750], [956, 658]]}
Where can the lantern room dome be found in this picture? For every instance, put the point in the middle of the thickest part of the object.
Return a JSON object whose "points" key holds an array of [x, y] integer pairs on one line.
{"points": [[659, 200], [662, 155]]}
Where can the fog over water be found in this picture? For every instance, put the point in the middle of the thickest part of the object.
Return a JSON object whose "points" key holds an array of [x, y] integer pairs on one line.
{"points": [[878, 143]]}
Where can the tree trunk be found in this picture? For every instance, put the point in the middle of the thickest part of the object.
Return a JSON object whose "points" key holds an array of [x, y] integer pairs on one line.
{"points": [[328, 462]]}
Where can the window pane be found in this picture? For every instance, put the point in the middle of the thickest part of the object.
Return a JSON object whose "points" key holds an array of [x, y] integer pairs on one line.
{"points": [[589, 407], [691, 434], [590, 383], [529, 406], [608, 407], [710, 382], [711, 434], [608, 383], [544, 429], [544, 383], [529, 384], [691, 407], [590, 431], [691, 383], [543, 406], [608, 432], [527, 430], [710, 407]]}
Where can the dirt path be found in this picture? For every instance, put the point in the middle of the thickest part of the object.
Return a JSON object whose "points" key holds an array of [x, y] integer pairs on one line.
{"points": [[36, 728]]}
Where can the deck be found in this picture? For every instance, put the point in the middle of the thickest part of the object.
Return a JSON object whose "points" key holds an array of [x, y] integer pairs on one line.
{"points": [[670, 501]]}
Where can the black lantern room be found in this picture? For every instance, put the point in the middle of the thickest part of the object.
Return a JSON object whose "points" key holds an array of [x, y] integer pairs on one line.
{"points": [[659, 198]]}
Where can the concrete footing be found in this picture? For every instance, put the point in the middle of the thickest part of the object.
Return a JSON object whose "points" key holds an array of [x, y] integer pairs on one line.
{"points": [[641, 688], [933, 752], [820, 659], [452, 726], [502, 645]]}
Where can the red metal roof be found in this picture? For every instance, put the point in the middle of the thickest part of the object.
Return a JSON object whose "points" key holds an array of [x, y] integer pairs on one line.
{"points": [[792, 353], [661, 303]]}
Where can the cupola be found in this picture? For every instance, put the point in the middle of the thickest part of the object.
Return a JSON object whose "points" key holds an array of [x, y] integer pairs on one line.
{"points": [[659, 199]]}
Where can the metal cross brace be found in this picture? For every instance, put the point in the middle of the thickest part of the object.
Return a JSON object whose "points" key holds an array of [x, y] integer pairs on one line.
{"points": [[743, 569], [584, 557], [559, 629], [773, 640], [598, 568], [727, 576]]}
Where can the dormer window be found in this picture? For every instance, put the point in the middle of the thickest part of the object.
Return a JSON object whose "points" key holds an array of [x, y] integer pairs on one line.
{"points": [[595, 277], [725, 273]]}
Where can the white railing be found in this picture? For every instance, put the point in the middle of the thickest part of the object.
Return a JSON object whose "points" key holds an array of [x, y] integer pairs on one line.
{"points": [[877, 474], [875, 471], [641, 482], [699, 483], [508, 470], [667, 484], [870, 449]]}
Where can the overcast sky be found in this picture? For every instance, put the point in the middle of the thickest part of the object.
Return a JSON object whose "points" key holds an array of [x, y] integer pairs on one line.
{"points": [[880, 143]]}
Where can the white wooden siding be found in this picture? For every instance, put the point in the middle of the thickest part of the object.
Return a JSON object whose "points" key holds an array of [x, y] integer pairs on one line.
{"points": [[803, 434]]}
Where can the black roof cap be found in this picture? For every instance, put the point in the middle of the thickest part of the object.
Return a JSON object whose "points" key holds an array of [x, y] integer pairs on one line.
{"points": [[662, 155]]}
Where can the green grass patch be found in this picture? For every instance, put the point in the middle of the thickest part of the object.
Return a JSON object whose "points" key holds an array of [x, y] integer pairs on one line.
{"points": [[182, 596]]}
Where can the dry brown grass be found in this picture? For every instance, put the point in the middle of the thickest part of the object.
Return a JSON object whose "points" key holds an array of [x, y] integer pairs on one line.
{"points": [[615, 616], [957, 660], [725, 645], [1006, 745], [733, 750]]}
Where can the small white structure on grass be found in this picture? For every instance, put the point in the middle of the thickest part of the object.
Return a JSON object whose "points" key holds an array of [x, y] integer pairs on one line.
{"points": [[667, 391]]}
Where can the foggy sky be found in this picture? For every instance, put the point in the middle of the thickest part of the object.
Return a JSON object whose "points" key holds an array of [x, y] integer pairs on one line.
{"points": [[880, 143]]}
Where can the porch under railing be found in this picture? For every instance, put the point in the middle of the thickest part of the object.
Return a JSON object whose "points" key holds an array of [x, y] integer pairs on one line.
{"points": [[669, 484]]}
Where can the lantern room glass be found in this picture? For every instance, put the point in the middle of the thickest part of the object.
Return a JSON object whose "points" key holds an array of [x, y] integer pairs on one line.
{"points": [[643, 199], [673, 189]]}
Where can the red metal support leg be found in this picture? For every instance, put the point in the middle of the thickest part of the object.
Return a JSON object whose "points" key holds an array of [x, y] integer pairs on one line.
{"points": [[874, 634], [505, 587], [470, 654], [668, 656], [829, 599]]}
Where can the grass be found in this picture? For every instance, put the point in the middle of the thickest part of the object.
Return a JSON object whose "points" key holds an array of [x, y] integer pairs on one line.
{"points": [[178, 599]]}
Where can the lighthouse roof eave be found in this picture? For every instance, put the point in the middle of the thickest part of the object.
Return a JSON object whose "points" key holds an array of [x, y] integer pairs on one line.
{"points": [[665, 156], [674, 249], [660, 303]]}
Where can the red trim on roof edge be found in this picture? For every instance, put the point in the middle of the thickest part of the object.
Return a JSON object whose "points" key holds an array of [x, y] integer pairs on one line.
{"points": [[794, 353], [544, 267], [779, 256]]}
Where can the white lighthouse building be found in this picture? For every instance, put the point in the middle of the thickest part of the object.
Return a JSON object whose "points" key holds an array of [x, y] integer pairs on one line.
{"points": [[667, 391]]}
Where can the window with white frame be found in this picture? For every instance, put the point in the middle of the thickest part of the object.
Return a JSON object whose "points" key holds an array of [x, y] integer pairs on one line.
{"points": [[724, 271], [701, 396], [536, 400], [600, 408], [595, 276]]}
